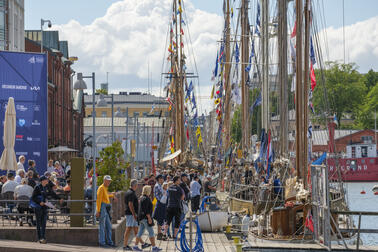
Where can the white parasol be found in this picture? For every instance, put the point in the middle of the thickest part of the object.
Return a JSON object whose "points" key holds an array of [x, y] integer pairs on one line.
{"points": [[171, 156], [8, 159]]}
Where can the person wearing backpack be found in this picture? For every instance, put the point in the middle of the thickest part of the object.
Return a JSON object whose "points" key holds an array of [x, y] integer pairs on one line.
{"points": [[145, 219]]}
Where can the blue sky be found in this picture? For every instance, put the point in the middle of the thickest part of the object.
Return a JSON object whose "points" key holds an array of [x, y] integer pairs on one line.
{"points": [[85, 11], [115, 43]]}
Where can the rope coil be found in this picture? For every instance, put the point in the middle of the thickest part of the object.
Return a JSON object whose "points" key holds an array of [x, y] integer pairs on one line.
{"points": [[184, 246]]}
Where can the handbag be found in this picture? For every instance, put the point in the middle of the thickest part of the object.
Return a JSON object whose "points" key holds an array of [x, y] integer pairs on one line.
{"points": [[185, 207], [163, 199]]}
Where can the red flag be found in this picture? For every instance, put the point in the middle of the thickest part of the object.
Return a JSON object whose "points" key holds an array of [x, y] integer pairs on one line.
{"points": [[294, 33], [187, 134], [309, 223], [313, 78]]}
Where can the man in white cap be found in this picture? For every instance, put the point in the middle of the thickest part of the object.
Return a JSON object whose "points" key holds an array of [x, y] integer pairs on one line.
{"points": [[103, 207]]}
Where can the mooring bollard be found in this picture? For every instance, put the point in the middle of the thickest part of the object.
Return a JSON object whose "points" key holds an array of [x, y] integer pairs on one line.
{"points": [[239, 247], [236, 239], [228, 229]]}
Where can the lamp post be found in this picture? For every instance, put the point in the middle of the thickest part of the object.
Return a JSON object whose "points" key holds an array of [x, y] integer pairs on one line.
{"points": [[43, 21], [127, 132], [102, 103], [80, 84]]}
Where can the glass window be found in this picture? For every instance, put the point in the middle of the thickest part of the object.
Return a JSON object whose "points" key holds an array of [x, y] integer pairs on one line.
{"points": [[353, 152], [103, 114], [363, 161], [371, 161], [364, 151]]}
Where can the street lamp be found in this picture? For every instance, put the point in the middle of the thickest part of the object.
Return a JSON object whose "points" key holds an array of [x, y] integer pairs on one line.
{"points": [[102, 103], [43, 21], [80, 84], [118, 113]]}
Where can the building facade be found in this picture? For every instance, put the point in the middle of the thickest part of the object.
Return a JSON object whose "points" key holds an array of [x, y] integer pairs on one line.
{"points": [[65, 124], [146, 131], [138, 104], [12, 25]]}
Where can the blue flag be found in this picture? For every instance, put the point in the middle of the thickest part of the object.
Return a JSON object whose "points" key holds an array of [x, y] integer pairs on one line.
{"points": [[312, 52], [237, 54], [256, 103], [257, 29]]}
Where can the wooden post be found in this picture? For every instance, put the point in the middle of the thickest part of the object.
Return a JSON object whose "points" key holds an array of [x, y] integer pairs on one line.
{"points": [[77, 191], [227, 115], [358, 233], [282, 45], [244, 60], [306, 86], [298, 92]]}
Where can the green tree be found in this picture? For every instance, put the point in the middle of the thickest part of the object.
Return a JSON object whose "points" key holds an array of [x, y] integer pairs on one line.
{"points": [[371, 79], [366, 112], [344, 88], [236, 132], [113, 164], [102, 91]]}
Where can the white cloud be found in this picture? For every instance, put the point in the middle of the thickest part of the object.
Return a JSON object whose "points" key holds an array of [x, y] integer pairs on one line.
{"points": [[133, 32], [361, 41]]}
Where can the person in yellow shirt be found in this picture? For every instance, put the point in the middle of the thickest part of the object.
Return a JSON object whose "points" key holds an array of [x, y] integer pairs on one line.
{"points": [[103, 207]]}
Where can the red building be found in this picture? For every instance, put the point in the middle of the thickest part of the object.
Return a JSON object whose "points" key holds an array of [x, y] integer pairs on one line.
{"points": [[342, 139], [65, 124]]}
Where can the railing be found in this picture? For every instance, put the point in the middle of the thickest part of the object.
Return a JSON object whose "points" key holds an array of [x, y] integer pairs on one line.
{"points": [[256, 193], [358, 230], [13, 212]]}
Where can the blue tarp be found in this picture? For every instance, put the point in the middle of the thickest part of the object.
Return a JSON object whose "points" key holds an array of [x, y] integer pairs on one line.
{"points": [[321, 159]]}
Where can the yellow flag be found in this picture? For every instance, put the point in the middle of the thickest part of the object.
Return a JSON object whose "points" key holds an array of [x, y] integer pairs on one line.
{"points": [[212, 92], [217, 101], [180, 10], [198, 131], [199, 140]]}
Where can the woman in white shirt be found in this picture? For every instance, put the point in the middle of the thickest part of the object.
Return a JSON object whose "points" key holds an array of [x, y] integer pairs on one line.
{"points": [[23, 190]]}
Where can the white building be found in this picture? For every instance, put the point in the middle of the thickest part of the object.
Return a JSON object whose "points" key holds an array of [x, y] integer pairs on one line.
{"points": [[145, 137], [12, 37]]}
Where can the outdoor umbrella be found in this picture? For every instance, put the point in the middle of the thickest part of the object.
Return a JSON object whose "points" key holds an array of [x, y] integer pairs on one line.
{"points": [[8, 158]]}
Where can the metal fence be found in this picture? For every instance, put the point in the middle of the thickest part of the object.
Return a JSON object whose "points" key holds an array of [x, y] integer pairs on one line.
{"points": [[18, 212]]}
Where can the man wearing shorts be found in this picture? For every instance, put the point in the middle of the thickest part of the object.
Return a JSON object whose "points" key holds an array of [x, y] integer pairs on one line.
{"points": [[131, 203], [175, 197]]}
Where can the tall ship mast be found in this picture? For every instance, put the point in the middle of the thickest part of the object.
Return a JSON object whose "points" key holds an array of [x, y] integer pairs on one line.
{"points": [[182, 134]]}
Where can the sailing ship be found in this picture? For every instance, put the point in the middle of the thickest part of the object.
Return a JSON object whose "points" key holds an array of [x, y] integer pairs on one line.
{"points": [[289, 197]]}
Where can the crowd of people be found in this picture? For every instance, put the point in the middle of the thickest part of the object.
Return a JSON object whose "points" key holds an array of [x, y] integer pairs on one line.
{"points": [[170, 192], [33, 190]]}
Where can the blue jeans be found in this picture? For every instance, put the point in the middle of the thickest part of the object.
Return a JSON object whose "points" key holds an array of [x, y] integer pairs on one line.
{"points": [[41, 216], [143, 224], [105, 227]]}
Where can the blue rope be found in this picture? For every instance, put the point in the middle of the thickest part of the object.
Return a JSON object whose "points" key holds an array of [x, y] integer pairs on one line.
{"points": [[202, 208], [184, 246]]}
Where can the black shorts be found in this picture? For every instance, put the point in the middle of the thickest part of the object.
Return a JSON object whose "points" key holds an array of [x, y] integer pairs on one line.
{"points": [[174, 212]]}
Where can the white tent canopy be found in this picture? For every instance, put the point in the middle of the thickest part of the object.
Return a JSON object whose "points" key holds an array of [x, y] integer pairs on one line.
{"points": [[61, 149]]}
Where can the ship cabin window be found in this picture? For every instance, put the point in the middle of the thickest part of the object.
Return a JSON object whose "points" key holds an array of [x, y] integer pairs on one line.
{"points": [[371, 161], [363, 161], [364, 151], [348, 161], [353, 152]]}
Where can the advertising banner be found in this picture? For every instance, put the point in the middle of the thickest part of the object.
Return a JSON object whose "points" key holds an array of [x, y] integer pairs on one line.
{"points": [[23, 76]]}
